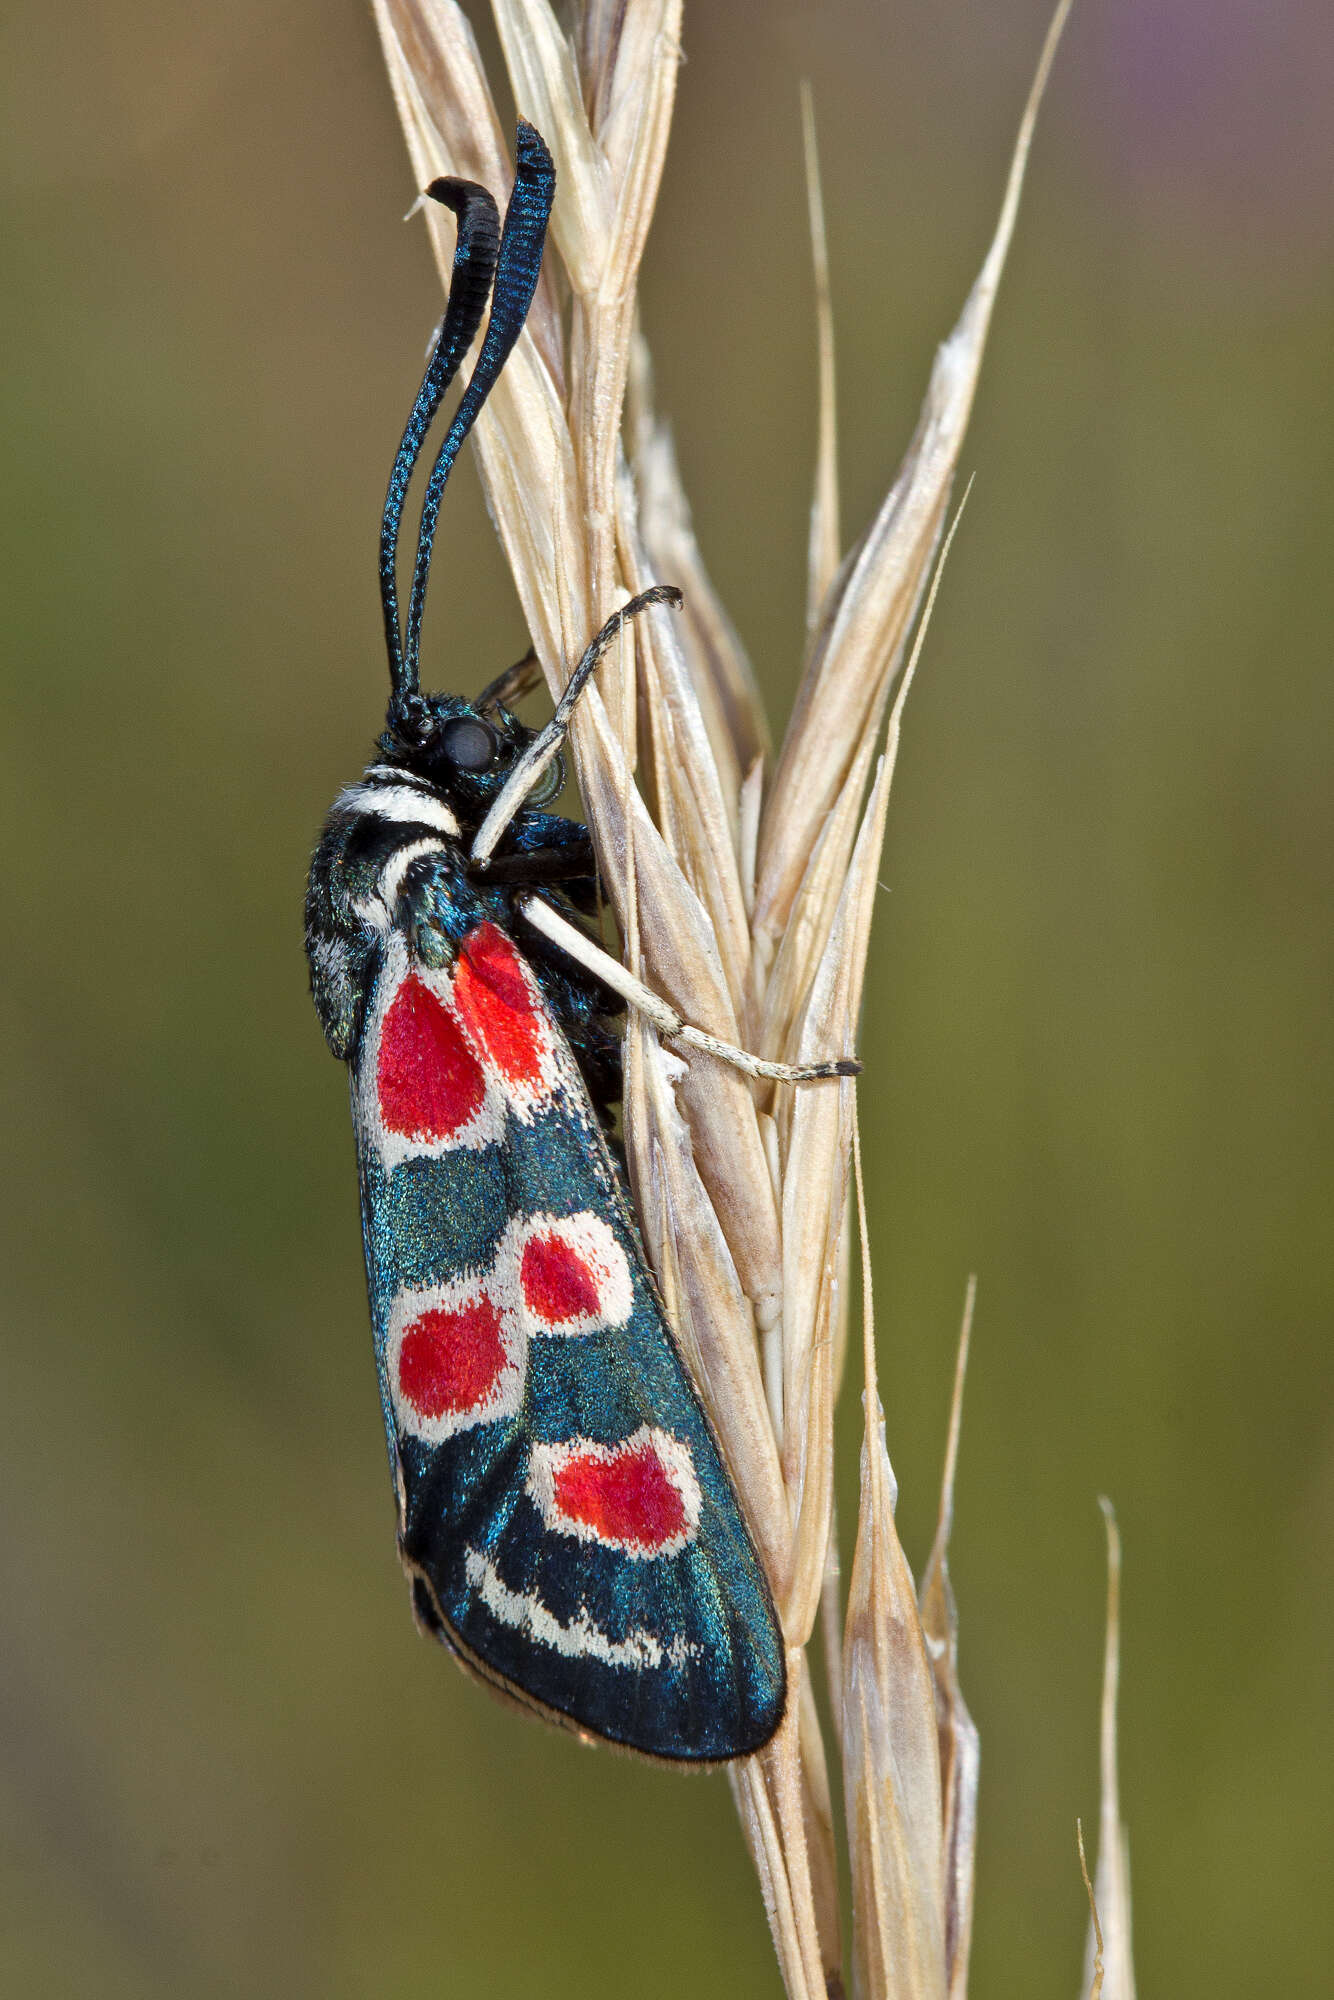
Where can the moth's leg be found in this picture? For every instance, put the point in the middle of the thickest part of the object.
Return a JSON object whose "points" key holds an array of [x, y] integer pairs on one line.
{"points": [[555, 928], [537, 864], [546, 744], [586, 1008], [544, 850], [575, 986], [559, 860], [533, 830], [507, 690]]}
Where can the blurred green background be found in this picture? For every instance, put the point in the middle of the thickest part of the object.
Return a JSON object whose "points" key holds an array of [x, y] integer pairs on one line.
{"points": [[1097, 1021]]}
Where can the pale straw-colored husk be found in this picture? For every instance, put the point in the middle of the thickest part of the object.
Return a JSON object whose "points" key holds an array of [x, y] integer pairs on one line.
{"points": [[1107, 1959], [742, 885]]}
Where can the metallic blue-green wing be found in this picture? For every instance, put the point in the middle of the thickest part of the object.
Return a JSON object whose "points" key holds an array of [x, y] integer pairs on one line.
{"points": [[564, 1512]]}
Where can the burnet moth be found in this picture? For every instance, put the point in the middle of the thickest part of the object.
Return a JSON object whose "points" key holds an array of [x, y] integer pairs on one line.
{"points": [[564, 1515]]}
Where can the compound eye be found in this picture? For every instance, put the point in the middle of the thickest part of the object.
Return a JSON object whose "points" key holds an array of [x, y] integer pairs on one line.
{"points": [[469, 744]]}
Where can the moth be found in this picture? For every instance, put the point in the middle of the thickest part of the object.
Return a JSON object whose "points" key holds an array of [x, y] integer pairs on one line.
{"points": [[565, 1518]]}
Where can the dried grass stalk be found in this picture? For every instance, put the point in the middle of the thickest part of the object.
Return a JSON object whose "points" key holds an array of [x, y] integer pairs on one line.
{"points": [[1093, 1973], [1108, 1958], [744, 895], [956, 1732], [889, 1733]]}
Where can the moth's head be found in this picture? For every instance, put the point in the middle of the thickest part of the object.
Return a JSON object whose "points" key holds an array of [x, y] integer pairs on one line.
{"points": [[466, 749]]}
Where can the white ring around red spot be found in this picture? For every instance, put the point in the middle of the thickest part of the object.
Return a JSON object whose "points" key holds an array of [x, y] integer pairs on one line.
{"points": [[502, 1007], [456, 1353], [448, 1056], [455, 1358], [640, 1496], [423, 1087], [565, 1275]]}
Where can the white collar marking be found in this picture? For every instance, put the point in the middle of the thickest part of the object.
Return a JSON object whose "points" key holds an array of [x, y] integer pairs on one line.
{"points": [[402, 804]]}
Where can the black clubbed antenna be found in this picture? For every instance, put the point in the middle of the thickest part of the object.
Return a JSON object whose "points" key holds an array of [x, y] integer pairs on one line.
{"points": [[469, 289], [517, 269]]}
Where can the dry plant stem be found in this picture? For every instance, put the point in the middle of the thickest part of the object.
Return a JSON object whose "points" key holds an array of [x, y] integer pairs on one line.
{"points": [[890, 1752], [825, 544], [1112, 1943], [745, 902], [956, 1732], [1095, 1976], [868, 613]]}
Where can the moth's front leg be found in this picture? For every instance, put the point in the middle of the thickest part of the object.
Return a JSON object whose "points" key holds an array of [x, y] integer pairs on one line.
{"points": [[544, 848]]}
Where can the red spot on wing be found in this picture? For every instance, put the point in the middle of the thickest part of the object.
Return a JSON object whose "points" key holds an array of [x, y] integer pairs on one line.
{"points": [[494, 997], [557, 1283], [628, 1496], [429, 1081], [451, 1361]]}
